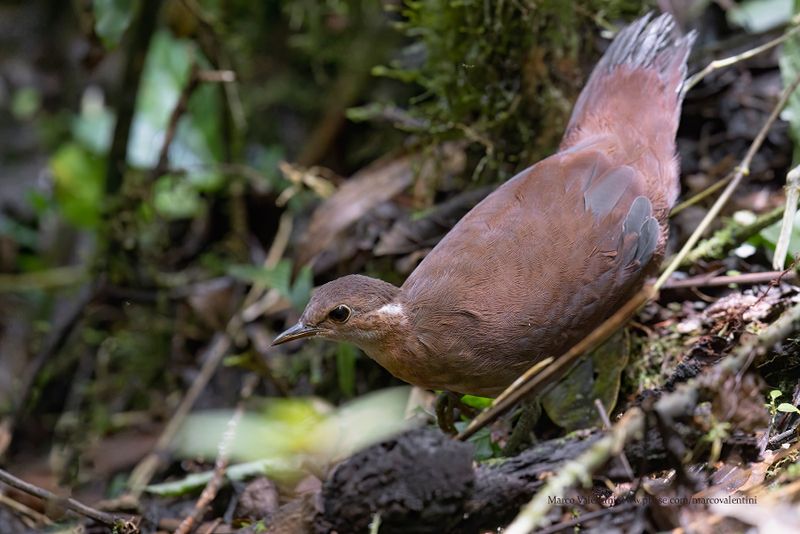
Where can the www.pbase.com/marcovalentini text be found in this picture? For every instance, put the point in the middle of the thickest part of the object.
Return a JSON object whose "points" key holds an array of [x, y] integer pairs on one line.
{"points": [[664, 501]]}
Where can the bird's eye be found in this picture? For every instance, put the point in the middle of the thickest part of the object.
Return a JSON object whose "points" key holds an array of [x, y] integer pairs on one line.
{"points": [[340, 314]]}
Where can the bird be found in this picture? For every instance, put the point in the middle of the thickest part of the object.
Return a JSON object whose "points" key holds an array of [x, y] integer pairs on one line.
{"points": [[548, 255]]}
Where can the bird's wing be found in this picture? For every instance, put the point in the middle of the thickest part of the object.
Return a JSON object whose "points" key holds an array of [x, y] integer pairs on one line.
{"points": [[537, 264]]}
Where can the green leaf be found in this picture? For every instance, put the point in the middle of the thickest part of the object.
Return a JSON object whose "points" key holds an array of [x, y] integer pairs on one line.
{"points": [[301, 290], [197, 145], [570, 402], [275, 278], [288, 428], [78, 177], [790, 68], [25, 103], [205, 181], [346, 356], [266, 160], [279, 278], [175, 198], [93, 127], [770, 237], [757, 16], [485, 448], [774, 394], [788, 408], [480, 403], [18, 232], [112, 18], [276, 468]]}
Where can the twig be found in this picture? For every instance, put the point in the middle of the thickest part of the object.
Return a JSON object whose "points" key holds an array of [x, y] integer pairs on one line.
{"points": [[626, 465], [343, 93], [124, 522], [742, 170], [221, 464], [792, 195], [216, 76], [732, 60], [706, 280], [729, 237], [196, 76], [175, 116], [779, 438], [702, 195], [34, 517], [140, 43], [55, 278], [583, 518], [259, 296]]}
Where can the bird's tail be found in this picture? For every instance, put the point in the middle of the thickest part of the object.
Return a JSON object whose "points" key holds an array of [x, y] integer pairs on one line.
{"points": [[636, 91]]}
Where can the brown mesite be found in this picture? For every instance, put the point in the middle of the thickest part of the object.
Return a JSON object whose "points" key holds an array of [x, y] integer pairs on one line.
{"points": [[550, 254]]}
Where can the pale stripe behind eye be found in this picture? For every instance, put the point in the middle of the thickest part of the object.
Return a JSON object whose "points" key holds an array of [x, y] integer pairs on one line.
{"points": [[392, 309]]}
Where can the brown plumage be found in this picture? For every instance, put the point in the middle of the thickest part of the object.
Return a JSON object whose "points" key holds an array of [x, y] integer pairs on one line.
{"points": [[550, 254]]}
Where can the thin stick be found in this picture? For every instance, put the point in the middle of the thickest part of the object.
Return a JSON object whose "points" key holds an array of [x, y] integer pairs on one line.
{"points": [[713, 281], [172, 126], [49, 279], [221, 464], [732, 60], [583, 518], [730, 236], [742, 170], [216, 76], [33, 517], [702, 195], [76, 506], [626, 465], [792, 195]]}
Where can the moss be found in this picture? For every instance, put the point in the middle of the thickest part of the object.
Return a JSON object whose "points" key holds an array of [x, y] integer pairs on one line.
{"points": [[654, 358], [501, 75]]}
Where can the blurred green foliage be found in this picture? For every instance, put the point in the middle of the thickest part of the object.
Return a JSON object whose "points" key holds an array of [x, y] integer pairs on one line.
{"points": [[284, 428], [112, 19], [78, 180], [346, 355], [790, 69], [279, 278]]}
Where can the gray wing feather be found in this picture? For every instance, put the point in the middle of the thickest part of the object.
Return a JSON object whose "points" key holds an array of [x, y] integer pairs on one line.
{"points": [[648, 241], [604, 192], [640, 224]]}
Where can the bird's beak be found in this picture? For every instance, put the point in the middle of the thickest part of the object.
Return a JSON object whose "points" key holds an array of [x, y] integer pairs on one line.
{"points": [[298, 331]]}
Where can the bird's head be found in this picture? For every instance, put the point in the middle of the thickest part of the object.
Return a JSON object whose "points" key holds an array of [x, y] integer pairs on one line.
{"points": [[354, 308]]}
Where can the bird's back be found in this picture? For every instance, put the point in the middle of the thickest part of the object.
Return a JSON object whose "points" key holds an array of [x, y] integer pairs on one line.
{"points": [[554, 251]]}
